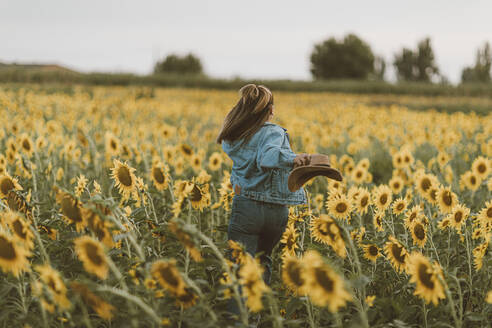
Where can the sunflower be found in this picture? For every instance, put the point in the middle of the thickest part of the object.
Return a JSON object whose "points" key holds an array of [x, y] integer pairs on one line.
{"points": [[186, 240], [98, 305], [323, 285], [112, 144], [396, 184], [97, 225], [419, 233], [371, 252], [423, 183], [485, 216], [199, 195], [195, 162], [489, 297], [481, 167], [91, 254], [21, 230], [186, 299], [252, 282], [215, 161], [427, 278], [289, 238], [444, 223], [399, 206], [55, 285], [71, 209], [81, 184], [362, 201], [339, 206], [13, 257], [478, 254], [442, 158], [292, 274], [398, 160], [324, 229], [359, 175], [470, 180], [27, 145], [396, 254], [182, 188], [124, 178], [160, 175], [446, 199], [167, 275], [377, 220], [382, 197], [458, 216], [7, 183]]}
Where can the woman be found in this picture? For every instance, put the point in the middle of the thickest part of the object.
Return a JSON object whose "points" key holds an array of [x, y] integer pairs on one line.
{"points": [[262, 159]]}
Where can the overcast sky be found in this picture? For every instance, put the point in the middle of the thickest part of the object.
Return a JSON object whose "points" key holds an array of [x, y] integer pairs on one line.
{"points": [[248, 38]]}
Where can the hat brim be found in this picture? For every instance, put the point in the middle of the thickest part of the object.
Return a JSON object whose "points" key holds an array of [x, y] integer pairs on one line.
{"points": [[300, 175]]}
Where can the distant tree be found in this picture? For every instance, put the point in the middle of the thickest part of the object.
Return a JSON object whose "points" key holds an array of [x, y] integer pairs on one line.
{"points": [[405, 65], [350, 58], [379, 68], [189, 64], [418, 65], [481, 71]]}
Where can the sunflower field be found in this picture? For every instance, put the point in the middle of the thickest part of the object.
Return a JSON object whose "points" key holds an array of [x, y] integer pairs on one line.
{"points": [[114, 206]]}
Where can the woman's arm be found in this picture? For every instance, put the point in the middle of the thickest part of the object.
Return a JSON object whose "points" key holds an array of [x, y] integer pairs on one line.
{"points": [[275, 152]]}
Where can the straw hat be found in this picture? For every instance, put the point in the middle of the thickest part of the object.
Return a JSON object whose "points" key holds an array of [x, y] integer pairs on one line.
{"points": [[318, 165]]}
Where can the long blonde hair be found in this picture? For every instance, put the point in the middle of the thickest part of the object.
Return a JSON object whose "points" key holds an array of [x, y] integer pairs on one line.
{"points": [[248, 115]]}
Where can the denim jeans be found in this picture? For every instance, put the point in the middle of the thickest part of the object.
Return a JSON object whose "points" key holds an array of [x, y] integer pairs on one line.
{"points": [[258, 226]]}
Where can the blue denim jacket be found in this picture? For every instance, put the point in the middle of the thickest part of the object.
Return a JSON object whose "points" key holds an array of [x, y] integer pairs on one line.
{"points": [[261, 166]]}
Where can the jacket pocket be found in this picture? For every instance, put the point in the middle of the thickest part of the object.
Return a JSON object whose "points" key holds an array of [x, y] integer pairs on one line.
{"points": [[277, 183]]}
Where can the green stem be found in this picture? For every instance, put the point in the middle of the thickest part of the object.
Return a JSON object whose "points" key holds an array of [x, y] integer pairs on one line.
{"points": [[131, 298]]}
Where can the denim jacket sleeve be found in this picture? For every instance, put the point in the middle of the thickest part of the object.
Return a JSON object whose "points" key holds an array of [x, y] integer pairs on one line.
{"points": [[274, 150]]}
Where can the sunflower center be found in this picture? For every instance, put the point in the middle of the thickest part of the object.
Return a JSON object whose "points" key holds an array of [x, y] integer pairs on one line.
{"points": [[446, 198], [341, 207], [359, 174], [113, 144], [19, 229], [383, 199], [489, 212], [364, 201], [473, 180], [92, 254], [7, 250], [6, 185], [396, 185], [481, 168], [291, 241], [70, 210], [433, 194], [400, 206], [373, 250], [124, 176], [324, 279], [158, 176], [294, 272], [419, 231], [458, 216], [397, 250], [196, 195], [186, 149], [425, 184], [425, 277], [169, 276], [26, 145]]}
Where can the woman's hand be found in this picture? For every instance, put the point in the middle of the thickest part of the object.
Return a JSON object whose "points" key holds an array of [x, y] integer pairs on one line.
{"points": [[302, 159]]}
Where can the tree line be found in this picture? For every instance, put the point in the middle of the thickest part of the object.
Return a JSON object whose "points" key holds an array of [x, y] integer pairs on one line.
{"points": [[352, 58]]}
